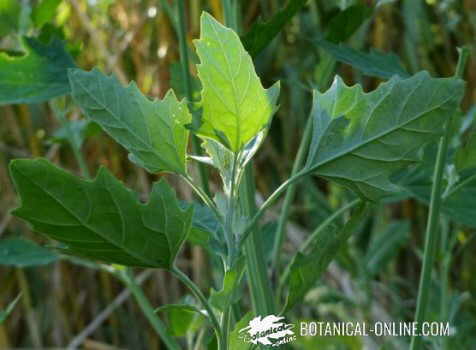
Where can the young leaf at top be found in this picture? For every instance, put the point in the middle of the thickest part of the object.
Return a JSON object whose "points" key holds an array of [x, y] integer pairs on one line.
{"points": [[224, 160], [101, 219], [152, 131], [235, 105], [360, 139], [37, 76]]}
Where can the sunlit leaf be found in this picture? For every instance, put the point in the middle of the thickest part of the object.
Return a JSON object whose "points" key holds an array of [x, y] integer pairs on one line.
{"points": [[152, 131], [235, 105], [101, 219]]}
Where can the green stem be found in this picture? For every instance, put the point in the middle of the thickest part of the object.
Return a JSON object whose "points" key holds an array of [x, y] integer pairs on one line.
{"points": [[185, 61], [315, 234], [268, 202], [431, 236], [446, 254], [199, 295], [148, 310], [258, 280], [290, 192]]}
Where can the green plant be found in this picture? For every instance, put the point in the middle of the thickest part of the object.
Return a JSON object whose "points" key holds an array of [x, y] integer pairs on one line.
{"points": [[355, 139]]}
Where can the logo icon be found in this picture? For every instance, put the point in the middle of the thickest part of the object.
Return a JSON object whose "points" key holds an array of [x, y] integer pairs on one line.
{"points": [[270, 330]]}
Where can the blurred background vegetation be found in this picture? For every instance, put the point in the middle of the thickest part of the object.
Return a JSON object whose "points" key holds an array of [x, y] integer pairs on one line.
{"points": [[373, 278]]}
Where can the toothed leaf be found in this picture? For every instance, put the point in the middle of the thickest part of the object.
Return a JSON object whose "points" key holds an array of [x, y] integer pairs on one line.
{"points": [[360, 139], [152, 131], [235, 105], [101, 219]]}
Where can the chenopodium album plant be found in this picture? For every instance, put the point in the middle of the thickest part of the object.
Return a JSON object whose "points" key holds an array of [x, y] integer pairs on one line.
{"points": [[358, 140]]}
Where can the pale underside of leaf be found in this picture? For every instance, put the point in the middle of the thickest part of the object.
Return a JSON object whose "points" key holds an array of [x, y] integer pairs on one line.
{"points": [[101, 219], [152, 131], [360, 139], [235, 105]]}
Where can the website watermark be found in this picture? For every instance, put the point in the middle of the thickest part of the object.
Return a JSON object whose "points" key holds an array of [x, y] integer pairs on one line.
{"points": [[274, 331], [270, 330], [378, 329]]}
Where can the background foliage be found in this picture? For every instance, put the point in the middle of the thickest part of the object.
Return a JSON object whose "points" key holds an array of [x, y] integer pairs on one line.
{"points": [[373, 278]]}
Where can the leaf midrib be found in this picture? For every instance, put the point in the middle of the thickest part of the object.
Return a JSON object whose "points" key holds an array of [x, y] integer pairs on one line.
{"points": [[372, 139], [126, 127], [106, 238]]}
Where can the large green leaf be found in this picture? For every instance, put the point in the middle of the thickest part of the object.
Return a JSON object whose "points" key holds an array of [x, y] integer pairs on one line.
{"points": [[261, 34], [374, 63], [235, 105], [152, 131], [37, 76], [101, 219], [360, 139], [23, 253]]}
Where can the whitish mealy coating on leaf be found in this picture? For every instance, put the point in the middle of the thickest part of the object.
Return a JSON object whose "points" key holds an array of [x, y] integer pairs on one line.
{"points": [[235, 105], [101, 219], [360, 139], [152, 131]]}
